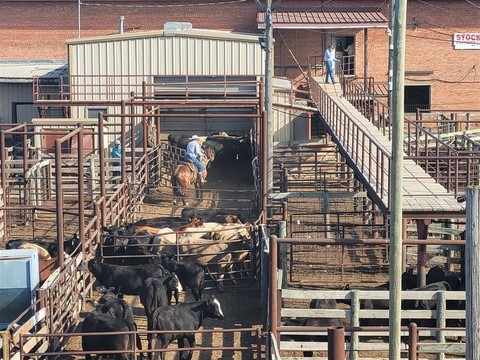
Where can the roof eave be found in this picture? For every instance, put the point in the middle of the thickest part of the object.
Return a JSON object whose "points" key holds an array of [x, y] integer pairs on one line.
{"points": [[326, 26]]}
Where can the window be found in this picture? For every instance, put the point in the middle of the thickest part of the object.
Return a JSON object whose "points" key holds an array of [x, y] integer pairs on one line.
{"points": [[93, 113], [417, 96]]}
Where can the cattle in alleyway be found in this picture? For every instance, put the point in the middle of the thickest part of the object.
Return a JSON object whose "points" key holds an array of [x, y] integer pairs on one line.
{"points": [[315, 322], [191, 275], [232, 150], [187, 317], [157, 291], [126, 279], [113, 314]]}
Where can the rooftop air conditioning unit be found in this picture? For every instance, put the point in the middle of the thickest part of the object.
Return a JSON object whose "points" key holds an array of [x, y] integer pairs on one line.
{"points": [[173, 26]]}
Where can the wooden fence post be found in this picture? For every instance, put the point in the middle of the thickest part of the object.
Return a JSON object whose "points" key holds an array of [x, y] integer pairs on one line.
{"points": [[472, 272]]}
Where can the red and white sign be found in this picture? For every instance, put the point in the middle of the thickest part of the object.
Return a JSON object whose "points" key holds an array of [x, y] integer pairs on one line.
{"points": [[466, 40]]}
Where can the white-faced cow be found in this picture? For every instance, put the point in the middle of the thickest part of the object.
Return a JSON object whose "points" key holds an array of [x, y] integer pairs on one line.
{"points": [[157, 291], [185, 317], [190, 274]]}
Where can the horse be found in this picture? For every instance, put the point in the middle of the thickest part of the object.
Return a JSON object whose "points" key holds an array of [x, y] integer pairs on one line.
{"points": [[186, 174]]}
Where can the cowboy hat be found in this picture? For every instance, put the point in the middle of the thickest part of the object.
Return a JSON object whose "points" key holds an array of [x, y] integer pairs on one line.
{"points": [[194, 137]]}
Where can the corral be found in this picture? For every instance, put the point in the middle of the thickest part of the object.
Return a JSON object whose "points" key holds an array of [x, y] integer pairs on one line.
{"points": [[329, 216]]}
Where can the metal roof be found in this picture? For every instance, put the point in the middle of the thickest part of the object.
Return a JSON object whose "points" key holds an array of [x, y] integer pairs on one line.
{"points": [[24, 71], [325, 20], [192, 33]]}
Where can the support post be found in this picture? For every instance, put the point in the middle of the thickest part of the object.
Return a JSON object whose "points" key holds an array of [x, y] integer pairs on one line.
{"points": [[472, 272], [336, 343], [396, 182], [273, 287], [282, 253]]}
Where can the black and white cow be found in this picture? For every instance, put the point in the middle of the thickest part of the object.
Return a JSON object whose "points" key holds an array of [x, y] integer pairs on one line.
{"points": [[190, 274], [157, 291], [126, 279], [186, 317]]}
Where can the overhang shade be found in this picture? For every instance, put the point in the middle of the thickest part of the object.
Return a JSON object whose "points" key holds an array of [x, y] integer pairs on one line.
{"points": [[325, 20]]}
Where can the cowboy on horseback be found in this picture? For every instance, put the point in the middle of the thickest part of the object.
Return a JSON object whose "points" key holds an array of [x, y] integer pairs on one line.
{"points": [[194, 152]]}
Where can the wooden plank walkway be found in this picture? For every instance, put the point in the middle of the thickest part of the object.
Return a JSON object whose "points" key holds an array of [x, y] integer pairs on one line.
{"points": [[421, 193]]}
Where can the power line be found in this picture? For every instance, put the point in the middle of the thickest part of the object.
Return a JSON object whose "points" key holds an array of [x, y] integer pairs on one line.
{"points": [[471, 3], [435, 6], [165, 6]]}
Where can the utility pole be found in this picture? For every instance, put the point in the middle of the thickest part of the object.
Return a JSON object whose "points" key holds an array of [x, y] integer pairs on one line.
{"points": [[396, 175], [269, 93], [269, 87], [79, 17], [390, 51]]}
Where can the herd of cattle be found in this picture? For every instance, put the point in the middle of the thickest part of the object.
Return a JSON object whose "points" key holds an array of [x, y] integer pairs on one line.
{"points": [[155, 259], [437, 280]]}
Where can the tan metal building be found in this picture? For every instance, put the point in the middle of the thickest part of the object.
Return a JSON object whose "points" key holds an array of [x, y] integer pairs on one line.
{"points": [[117, 64]]}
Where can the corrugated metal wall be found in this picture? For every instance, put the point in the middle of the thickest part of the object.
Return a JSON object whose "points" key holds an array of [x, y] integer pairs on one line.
{"points": [[145, 56], [17, 93], [156, 53]]}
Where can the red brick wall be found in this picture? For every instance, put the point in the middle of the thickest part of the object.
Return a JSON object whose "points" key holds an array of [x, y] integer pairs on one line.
{"points": [[37, 30]]}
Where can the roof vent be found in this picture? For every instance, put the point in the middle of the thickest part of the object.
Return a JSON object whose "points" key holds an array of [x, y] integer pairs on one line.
{"points": [[172, 26]]}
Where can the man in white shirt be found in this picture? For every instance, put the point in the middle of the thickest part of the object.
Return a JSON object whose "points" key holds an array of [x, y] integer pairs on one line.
{"points": [[329, 59]]}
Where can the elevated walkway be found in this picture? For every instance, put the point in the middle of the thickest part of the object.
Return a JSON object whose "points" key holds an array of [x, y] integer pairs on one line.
{"points": [[368, 151]]}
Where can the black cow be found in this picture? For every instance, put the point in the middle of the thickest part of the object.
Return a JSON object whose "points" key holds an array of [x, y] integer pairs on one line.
{"points": [[426, 304], [230, 150], [70, 246], [113, 248], [409, 280], [190, 274], [157, 291], [138, 250], [208, 215], [113, 302], [104, 320], [185, 317], [435, 274], [127, 279], [179, 141], [315, 322]]}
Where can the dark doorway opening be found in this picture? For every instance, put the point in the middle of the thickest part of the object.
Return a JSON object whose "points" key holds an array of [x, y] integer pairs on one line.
{"points": [[417, 97]]}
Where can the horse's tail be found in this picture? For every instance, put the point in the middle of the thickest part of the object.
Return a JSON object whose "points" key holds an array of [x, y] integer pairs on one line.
{"points": [[178, 189], [176, 184]]}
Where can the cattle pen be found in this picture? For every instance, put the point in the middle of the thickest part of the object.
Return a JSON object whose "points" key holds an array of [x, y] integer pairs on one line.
{"points": [[66, 183], [335, 234]]}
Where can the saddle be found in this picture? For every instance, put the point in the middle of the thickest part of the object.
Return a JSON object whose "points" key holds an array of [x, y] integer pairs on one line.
{"points": [[190, 165]]}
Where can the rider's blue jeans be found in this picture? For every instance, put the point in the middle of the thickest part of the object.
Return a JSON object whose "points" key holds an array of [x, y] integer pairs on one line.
{"points": [[196, 162]]}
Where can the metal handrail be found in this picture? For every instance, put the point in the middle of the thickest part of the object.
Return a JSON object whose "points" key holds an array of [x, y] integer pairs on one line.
{"points": [[353, 139]]}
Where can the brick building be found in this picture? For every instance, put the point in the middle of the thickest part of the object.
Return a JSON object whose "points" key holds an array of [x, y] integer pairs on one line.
{"points": [[440, 73]]}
